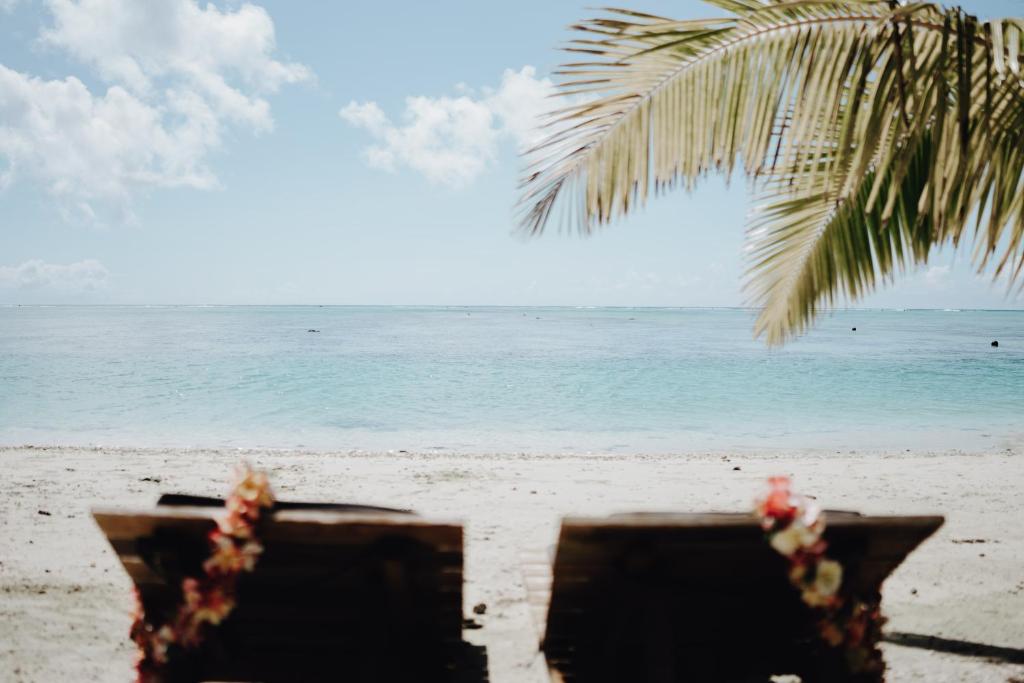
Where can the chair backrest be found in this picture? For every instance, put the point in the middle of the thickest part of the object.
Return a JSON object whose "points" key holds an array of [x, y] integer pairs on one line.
{"points": [[336, 595], [698, 597]]}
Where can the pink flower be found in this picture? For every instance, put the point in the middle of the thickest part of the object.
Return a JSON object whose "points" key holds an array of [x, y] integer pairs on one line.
{"points": [[777, 506]]}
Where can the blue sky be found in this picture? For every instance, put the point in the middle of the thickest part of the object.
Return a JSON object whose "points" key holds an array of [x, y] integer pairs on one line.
{"points": [[331, 153]]}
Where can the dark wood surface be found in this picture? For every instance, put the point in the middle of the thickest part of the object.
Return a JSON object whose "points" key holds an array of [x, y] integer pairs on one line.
{"points": [[189, 500], [662, 598], [336, 595]]}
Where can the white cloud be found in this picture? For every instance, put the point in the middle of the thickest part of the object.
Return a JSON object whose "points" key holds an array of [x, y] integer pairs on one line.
{"points": [[178, 76], [82, 276], [137, 44], [937, 277], [451, 140], [521, 102], [84, 147]]}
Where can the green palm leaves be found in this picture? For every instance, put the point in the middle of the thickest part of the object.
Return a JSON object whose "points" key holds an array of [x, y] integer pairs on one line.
{"points": [[871, 132]]}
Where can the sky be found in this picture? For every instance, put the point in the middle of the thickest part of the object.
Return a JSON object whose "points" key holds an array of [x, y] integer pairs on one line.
{"points": [[282, 152]]}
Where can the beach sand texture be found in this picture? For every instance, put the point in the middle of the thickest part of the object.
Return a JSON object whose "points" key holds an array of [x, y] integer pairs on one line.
{"points": [[65, 602]]}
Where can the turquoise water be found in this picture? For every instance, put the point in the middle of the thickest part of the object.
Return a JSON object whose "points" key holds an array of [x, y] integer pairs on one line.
{"points": [[506, 379]]}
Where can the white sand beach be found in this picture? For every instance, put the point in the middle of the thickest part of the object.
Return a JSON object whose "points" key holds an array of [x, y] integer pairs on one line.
{"points": [[65, 602]]}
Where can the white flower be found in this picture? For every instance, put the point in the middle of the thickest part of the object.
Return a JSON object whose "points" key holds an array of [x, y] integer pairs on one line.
{"points": [[811, 514], [828, 577], [786, 541], [792, 538]]}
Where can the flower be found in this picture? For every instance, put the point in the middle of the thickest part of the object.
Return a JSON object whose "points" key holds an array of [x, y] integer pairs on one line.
{"points": [[828, 578], [253, 487], [230, 558], [233, 549], [793, 538], [830, 633], [795, 526], [208, 603], [811, 515], [777, 507], [234, 522], [813, 598], [163, 640]]}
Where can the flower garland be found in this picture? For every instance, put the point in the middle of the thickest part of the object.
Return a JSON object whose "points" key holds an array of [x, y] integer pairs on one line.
{"points": [[234, 549], [794, 525]]}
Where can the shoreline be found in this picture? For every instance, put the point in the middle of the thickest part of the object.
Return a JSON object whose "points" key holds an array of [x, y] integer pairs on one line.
{"points": [[66, 601], [1008, 446]]}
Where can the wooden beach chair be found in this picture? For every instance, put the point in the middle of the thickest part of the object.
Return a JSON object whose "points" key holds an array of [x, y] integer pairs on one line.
{"points": [[663, 598], [340, 593]]}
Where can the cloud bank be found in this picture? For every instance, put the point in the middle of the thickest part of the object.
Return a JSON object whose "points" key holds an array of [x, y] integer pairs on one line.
{"points": [[177, 76], [82, 276], [452, 140]]}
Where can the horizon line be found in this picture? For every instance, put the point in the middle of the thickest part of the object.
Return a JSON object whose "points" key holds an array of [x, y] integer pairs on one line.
{"points": [[563, 306]]}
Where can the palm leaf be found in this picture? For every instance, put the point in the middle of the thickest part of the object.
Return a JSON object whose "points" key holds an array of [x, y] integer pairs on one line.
{"points": [[827, 107], [807, 249]]}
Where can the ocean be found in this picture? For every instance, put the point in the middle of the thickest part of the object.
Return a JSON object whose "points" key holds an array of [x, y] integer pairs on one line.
{"points": [[503, 379]]}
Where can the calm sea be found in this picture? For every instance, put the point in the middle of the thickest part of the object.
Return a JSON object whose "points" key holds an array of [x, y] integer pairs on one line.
{"points": [[506, 379]]}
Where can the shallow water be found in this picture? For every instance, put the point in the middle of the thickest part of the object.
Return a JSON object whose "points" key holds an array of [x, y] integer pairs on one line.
{"points": [[506, 379]]}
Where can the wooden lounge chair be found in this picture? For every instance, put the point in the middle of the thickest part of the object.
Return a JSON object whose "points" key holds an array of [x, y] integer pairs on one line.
{"points": [[340, 593], [660, 598]]}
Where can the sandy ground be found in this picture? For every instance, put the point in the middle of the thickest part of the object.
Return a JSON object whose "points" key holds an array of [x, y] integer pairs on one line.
{"points": [[65, 601]]}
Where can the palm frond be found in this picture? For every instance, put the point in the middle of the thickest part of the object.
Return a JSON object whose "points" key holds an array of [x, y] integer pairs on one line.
{"points": [[828, 107], [809, 250]]}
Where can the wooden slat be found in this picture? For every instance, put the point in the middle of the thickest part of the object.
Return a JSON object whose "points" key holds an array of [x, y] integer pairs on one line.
{"points": [[139, 570], [536, 571], [312, 526]]}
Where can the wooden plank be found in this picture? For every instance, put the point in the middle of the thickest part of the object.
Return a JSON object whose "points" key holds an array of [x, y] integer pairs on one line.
{"points": [[311, 526], [535, 566], [536, 570], [538, 584], [536, 557]]}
